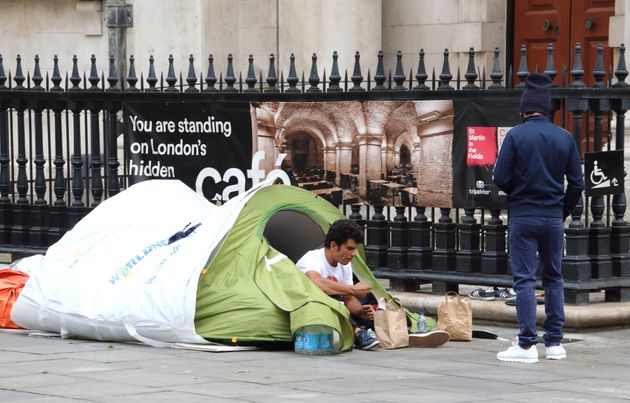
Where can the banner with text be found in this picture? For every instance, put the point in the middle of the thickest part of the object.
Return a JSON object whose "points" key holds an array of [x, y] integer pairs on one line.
{"points": [[480, 125], [218, 148], [208, 146]]}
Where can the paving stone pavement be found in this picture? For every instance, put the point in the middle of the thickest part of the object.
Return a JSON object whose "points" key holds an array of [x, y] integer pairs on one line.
{"points": [[36, 369]]}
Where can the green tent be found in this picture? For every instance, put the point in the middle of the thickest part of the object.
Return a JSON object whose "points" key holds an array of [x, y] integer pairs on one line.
{"points": [[251, 291]]}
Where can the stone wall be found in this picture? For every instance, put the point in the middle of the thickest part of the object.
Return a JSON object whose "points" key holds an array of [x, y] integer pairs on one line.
{"points": [[47, 28], [257, 27], [409, 25]]}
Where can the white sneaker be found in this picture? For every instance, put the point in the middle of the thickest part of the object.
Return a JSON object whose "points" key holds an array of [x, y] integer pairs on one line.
{"points": [[556, 352], [518, 354]]}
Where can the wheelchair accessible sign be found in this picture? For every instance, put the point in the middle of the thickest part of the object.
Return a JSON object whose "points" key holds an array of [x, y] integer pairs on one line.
{"points": [[603, 173]]}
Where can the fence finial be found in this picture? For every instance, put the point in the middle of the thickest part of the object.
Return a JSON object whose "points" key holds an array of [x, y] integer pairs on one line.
{"points": [[379, 76], [471, 74], [251, 75], [522, 72], [598, 72], [211, 79], [445, 76], [334, 78], [170, 76], [550, 69], [19, 76], [313, 78], [37, 76], [152, 78], [191, 79], [421, 74], [272, 79], [3, 77], [399, 76], [496, 74], [75, 78], [230, 79], [621, 72], [132, 79], [112, 78], [577, 72], [292, 79], [93, 79], [56, 76], [357, 77]]}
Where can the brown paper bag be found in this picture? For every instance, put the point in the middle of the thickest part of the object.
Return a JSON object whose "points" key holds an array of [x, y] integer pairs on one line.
{"points": [[455, 316], [390, 326]]}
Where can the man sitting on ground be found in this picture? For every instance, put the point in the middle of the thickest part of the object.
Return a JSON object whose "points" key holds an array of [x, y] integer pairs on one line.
{"points": [[330, 268]]}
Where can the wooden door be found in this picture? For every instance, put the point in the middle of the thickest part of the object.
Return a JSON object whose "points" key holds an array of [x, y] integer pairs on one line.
{"points": [[563, 23], [589, 26], [537, 23]]}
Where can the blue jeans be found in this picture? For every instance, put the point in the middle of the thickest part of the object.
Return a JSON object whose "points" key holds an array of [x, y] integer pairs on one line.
{"points": [[545, 236]]}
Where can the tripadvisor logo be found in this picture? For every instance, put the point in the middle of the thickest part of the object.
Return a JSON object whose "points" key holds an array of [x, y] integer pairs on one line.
{"points": [[480, 189]]}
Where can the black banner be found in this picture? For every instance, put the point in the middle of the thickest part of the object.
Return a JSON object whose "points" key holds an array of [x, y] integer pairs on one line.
{"points": [[480, 125], [208, 146]]}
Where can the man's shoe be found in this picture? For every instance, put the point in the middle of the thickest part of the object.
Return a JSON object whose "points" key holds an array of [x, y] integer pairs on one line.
{"points": [[365, 340], [505, 294], [431, 339], [518, 354], [371, 333], [487, 294], [555, 352]]}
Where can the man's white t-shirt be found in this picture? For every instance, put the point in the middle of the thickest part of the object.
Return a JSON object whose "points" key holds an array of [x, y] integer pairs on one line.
{"points": [[315, 260]]}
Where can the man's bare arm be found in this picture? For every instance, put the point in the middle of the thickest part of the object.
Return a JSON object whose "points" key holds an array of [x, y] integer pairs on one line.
{"points": [[355, 308], [331, 287]]}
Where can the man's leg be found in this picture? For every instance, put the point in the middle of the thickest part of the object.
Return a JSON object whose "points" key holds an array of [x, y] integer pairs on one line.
{"points": [[369, 299], [523, 244], [364, 339], [551, 250]]}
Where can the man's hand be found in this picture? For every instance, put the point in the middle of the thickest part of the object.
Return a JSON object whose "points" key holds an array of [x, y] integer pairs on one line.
{"points": [[367, 312], [360, 290], [565, 214]]}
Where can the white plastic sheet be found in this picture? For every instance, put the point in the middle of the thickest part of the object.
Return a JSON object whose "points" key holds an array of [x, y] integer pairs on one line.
{"points": [[114, 276]]}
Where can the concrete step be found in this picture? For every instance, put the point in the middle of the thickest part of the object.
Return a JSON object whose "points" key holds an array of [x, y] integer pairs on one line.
{"points": [[598, 315]]}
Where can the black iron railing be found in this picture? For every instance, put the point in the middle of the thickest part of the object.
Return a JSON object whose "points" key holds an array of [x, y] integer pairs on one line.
{"points": [[59, 158]]}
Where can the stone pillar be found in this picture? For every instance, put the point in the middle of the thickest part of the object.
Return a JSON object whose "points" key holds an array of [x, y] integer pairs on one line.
{"points": [[330, 159], [344, 157], [415, 157], [369, 160], [264, 140], [388, 161]]}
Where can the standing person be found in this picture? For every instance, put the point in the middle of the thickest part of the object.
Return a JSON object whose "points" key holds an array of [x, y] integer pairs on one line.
{"points": [[535, 157]]}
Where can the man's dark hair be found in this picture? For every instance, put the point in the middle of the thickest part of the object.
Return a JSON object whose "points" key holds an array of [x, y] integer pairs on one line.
{"points": [[342, 230]]}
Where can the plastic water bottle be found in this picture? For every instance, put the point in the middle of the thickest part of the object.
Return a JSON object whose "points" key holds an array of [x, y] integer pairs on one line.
{"points": [[316, 340], [422, 323], [325, 340], [298, 345], [307, 340]]}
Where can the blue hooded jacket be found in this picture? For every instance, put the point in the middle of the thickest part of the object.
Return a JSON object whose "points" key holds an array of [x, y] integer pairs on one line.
{"points": [[533, 161]]}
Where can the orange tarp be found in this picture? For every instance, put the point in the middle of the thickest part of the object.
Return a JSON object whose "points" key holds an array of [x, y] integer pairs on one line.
{"points": [[11, 284]]}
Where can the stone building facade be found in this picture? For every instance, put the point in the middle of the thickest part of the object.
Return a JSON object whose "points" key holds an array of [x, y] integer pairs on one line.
{"points": [[262, 27], [256, 27]]}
